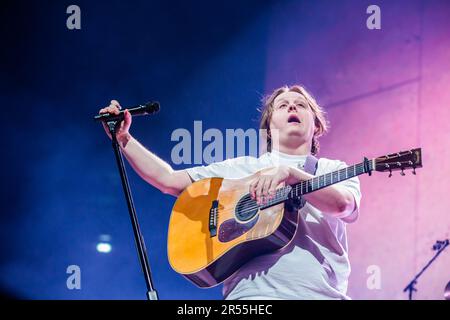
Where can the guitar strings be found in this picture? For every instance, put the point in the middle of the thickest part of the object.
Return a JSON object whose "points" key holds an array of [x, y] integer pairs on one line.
{"points": [[258, 206], [252, 208], [272, 202], [297, 186]]}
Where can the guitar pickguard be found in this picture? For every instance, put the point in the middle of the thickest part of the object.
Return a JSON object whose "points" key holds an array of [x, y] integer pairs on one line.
{"points": [[231, 229]]}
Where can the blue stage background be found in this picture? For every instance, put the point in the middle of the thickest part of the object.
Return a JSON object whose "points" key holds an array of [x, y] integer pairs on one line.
{"points": [[201, 60], [384, 90]]}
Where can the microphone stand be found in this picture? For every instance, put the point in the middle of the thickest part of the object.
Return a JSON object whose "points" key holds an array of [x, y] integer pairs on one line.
{"points": [[139, 239], [439, 246]]}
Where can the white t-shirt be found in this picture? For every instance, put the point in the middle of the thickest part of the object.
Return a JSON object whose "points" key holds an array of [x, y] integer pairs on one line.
{"points": [[315, 264]]}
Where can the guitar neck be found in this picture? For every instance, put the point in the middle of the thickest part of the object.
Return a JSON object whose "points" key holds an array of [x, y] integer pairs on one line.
{"points": [[320, 182]]}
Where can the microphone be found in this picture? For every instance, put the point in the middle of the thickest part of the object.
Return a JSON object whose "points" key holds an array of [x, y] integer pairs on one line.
{"points": [[140, 110]]}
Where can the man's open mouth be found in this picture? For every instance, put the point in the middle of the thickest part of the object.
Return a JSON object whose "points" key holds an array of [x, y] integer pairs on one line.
{"points": [[293, 119]]}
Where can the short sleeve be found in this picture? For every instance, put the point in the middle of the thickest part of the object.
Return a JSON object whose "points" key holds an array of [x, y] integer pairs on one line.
{"points": [[233, 168], [217, 169]]}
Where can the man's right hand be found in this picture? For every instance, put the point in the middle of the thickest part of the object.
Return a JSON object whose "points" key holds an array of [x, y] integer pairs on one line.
{"points": [[123, 135]]}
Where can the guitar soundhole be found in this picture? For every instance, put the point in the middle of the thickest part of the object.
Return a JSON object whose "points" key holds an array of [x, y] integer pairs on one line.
{"points": [[246, 208]]}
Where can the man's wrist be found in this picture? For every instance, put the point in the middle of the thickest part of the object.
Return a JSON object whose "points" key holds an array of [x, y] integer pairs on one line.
{"points": [[296, 175], [292, 176], [124, 139]]}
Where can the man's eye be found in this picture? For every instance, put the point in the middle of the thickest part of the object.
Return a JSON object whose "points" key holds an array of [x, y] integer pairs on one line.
{"points": [[282, 106], [300, 105]]}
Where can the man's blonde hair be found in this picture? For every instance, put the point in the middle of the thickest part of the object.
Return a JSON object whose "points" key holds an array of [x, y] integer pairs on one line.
{"points": [[320, 122]]}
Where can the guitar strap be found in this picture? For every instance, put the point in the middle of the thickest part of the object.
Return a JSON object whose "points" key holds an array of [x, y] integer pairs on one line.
{"points": [[310, 167], [311, 164]]}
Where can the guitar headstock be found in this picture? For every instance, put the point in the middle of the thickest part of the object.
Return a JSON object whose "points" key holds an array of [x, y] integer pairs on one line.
{"points": [[410, 159]]}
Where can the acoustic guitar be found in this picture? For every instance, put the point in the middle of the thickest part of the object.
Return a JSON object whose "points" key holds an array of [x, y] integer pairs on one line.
{"points": [[216, 227]]}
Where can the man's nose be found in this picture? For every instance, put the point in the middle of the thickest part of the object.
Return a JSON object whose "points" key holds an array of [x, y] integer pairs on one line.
{"points": [[292, 107]]}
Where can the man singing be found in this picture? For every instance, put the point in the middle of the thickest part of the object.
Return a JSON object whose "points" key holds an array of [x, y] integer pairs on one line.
{"points": [[315, 264]]}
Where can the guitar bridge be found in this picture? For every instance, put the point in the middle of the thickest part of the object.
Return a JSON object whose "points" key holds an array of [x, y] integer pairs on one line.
{"points": [[213, 213]]}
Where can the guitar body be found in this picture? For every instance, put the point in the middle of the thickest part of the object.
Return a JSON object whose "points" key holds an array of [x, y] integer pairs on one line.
{"points": [[244, 231]]}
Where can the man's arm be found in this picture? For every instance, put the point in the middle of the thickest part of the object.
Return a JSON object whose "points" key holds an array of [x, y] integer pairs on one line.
{"points": [[332, 200], [148, 166], [153, 169]]}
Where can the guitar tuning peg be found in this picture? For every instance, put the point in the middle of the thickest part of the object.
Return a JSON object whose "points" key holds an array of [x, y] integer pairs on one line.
{"points": [[402, 173], [390, 173], [414, 170]]}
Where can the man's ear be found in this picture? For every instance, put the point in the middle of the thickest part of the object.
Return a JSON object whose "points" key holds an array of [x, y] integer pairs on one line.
{"points": [[316, 130]]}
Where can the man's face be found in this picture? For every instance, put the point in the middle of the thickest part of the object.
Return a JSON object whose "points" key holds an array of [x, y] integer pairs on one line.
{"points": [[293, 118]]}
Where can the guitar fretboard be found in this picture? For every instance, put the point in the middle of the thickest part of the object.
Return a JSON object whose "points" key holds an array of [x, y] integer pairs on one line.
{"points": [[319, 182]]}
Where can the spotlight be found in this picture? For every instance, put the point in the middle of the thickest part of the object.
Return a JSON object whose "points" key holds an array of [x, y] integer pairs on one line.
{"points": [[104, 247]]}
